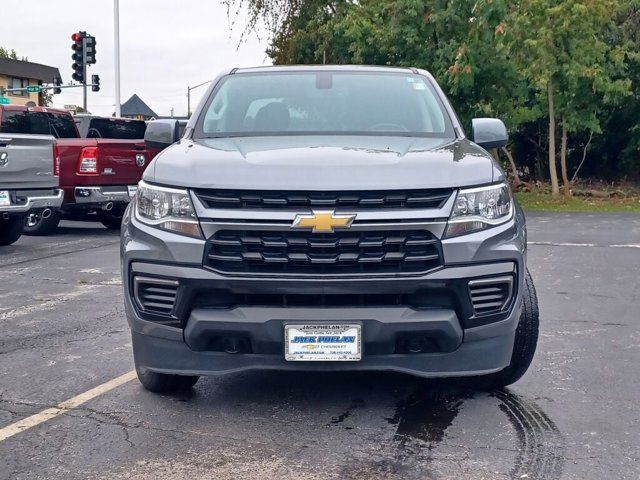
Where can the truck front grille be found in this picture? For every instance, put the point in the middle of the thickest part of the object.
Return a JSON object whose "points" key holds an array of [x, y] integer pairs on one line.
{"points": [[291, 199], [292, 252]]}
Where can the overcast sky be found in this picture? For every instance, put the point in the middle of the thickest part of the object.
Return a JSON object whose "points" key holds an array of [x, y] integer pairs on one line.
{"points": [[165, 45]]}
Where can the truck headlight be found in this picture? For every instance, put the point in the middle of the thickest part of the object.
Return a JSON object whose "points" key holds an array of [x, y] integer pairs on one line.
{"points": [[479, 208], [167, 208]]}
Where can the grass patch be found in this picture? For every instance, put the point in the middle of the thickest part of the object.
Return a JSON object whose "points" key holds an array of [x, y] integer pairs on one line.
{"points": [[543, 201]]}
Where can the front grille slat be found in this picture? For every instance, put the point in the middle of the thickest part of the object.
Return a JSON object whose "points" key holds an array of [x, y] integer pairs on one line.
{"points": [[292, 199], [304, 252], [491, 295]]}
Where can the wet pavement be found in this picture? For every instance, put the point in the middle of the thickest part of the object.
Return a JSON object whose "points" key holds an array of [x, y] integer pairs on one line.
{"points": [[575, 414]]}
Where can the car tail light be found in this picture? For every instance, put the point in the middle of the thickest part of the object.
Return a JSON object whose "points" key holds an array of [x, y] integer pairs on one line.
{"points": [[88, 161], [56, 160]]}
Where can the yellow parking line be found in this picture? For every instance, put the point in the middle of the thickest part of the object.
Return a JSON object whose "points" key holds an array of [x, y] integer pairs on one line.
{"points": [[49, 413]]}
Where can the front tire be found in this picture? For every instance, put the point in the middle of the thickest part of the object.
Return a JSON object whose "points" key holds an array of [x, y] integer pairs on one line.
{"points": [[163, 382], [524, 346], [11, 230], [35, 224]]}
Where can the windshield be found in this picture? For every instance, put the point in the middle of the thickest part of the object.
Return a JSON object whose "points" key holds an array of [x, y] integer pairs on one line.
{"points": [[38, 123], [118, 129], [341, 103]]}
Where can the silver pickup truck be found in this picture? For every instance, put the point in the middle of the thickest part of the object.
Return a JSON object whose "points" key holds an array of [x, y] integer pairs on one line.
{"points": [[28, 181], [327, 218]]}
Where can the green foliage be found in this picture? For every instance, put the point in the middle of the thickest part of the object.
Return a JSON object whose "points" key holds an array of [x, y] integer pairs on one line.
{"points": [[492, 57], [8, 54]]}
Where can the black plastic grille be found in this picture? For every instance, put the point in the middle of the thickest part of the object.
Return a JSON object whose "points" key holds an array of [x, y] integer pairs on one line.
{"points": [[491, 295], [381, 252], [292, 199], [155, 295]]}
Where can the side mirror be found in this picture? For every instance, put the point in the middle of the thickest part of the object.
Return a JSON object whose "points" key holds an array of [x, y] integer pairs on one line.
{"points": [[161, 133], [489, 132]]}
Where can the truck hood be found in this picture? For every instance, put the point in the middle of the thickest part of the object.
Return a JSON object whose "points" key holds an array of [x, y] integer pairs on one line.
{"points": [[323, 163]]}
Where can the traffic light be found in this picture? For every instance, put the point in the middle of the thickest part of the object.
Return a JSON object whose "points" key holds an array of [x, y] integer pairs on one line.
{"points": [[57, 82], [90, 49], [95, 83], [78, 56]]}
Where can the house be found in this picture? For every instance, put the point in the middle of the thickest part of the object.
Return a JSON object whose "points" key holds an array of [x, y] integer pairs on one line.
{"points": [[135, 108], [19, 74]]}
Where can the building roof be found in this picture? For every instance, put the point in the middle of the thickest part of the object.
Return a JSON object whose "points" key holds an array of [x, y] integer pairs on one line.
{"points": [[135, 106], [21, 69]]}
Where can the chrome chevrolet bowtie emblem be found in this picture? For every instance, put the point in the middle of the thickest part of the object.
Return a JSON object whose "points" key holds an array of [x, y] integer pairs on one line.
{"points": [[4, 159], [323, 221]]}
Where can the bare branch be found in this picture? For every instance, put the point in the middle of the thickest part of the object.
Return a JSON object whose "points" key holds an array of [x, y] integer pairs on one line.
{"points": [[584, 156]]}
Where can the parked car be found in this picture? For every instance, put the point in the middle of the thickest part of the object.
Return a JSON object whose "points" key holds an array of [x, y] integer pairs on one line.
{"points": [[91, 126], [98, 175], [28, 181], [327, 218]]}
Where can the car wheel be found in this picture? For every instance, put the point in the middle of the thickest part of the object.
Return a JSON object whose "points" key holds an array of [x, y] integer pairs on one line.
{"points": [[11, 229], [37, 224], [163, 382], [525, 343], [110, 220]]}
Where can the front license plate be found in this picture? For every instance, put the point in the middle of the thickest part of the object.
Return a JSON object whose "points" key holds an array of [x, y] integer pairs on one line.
{"points": [[4, 198], [323, 343], [133, 189]]}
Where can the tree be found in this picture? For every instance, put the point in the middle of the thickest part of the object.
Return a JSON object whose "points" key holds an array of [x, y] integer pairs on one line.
{"points": [[562, 49], [9, 54]]}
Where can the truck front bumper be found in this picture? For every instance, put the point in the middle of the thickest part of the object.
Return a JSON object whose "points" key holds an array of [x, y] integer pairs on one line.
{"points": [[208, 306], [23, 201], [193, 344]]}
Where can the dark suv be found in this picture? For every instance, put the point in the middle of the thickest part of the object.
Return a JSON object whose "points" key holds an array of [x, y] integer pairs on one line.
{"points": [[327, 218]]}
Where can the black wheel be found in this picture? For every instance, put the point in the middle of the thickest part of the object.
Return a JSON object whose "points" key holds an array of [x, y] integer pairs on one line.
{"points": [[11, 229], [112, 221], [37, 224], [525, 342], [165, 383]]}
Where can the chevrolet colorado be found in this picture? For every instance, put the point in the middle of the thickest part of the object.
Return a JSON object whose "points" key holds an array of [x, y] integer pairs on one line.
{"points": [[327, 218], [28, 181], [98, 174]]}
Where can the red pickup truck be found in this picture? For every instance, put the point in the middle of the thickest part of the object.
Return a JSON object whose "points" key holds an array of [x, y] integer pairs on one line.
{"points": [[98, 175]]}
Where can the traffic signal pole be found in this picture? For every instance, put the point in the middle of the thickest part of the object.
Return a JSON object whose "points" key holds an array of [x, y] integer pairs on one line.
{"points": [[84, 73]]}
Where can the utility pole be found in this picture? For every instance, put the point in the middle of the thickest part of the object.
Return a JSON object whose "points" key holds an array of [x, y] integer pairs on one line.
{"points": [[116, 32]]}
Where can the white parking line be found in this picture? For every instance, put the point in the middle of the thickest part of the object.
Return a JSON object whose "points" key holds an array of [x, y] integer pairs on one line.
{"points": [[563, 244], [41, 417], [51, 301], [569, 244]]}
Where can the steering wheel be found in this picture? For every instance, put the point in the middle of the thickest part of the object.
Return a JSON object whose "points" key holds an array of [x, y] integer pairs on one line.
{"points": [[388, 127]]}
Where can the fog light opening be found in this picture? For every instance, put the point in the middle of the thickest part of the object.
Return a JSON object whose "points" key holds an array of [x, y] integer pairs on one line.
{"points": [[417, 343]]}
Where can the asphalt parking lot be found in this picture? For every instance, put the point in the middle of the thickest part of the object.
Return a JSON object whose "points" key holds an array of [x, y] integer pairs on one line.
{"points": [[575, 415]]}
